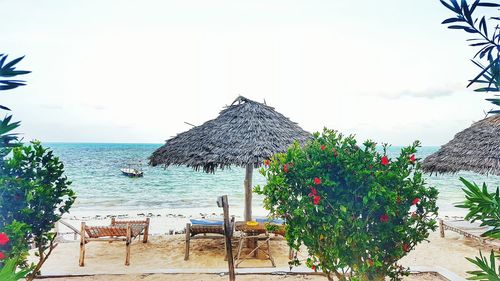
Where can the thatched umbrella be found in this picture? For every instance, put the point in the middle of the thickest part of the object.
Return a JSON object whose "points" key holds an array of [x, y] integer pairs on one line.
{"points": [[475, 149], [244, 134]]}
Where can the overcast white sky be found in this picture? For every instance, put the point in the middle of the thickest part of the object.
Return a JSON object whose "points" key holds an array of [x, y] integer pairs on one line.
{"points": [[134, 71]]}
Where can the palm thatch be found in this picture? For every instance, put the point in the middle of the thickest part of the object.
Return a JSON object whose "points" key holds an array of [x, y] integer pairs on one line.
{"points": [[244, 133], [475, 149]]}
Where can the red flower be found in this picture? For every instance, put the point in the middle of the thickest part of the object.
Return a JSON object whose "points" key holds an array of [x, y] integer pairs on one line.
{"points": [[2, 256], [398, 200], [285, 168], [412, 158], [384, 218], [267, 162], [3, 238], [369, 261], [406, 247], [313, 267], [384, 161], [323, 147], [335, 154], [317, 181], [415, 201], [313, 192], [316, 199]]}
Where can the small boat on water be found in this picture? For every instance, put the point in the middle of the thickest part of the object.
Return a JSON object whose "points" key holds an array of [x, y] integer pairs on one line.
{"points": [[133, 172]]}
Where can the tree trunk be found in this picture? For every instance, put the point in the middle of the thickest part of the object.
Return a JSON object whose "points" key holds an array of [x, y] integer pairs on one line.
{"points": [[248, 192]]}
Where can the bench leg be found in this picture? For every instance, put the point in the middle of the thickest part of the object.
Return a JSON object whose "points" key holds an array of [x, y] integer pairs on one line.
{"points": [[81, 261], [441, 228], [129, 240], [146, 232], [188, 238]]}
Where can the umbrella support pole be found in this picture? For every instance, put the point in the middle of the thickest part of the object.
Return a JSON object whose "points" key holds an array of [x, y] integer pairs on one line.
{"points": [[251, 243], [248, 192]]}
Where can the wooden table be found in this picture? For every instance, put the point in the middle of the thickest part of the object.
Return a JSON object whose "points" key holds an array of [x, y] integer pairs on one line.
{"points": [[253, 234]]}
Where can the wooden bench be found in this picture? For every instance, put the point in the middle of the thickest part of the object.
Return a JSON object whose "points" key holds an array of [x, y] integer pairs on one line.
{"points": [[117, 231]]}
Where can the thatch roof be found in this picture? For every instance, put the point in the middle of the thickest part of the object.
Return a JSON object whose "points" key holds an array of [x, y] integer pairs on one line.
{"points": [[475, 149], [246, 132]]}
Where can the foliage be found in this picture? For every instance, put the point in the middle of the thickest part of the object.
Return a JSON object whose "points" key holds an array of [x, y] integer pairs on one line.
{"points": [[488, 271], [36, 192], [9, 267], [17, 248], [8, 70], [487, 40], [9, 271], [352, 207], [483, 206], [8, 139]]}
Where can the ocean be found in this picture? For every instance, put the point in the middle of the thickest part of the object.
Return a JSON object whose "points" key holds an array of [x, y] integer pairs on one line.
{"points": [[94, 169]]}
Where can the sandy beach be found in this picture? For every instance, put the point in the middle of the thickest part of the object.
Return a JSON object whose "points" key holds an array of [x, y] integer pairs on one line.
{"points": [[165, 253], [214, 277]]}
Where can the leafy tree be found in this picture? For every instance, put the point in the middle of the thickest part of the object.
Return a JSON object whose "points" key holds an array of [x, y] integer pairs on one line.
{"points": [[17, 250], [487, 39], [36, 192], [7, 72], [356, 210]]}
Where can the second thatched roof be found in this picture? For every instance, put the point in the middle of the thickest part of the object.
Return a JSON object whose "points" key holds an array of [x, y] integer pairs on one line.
{"points": [[246, 132], [475, 149]]}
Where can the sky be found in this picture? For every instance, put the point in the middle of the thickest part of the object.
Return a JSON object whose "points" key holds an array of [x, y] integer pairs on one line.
{"points": [[135, 71]]}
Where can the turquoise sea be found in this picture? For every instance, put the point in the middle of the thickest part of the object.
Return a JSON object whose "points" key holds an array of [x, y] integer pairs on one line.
{"points": [[94, 169]]}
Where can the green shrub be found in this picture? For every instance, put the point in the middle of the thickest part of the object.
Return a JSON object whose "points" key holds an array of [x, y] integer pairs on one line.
{"points": [[34, 191], [354, 209]]}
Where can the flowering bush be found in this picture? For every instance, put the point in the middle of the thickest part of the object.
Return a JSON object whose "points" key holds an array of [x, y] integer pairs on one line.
{"points": [[34, 192], [356, 210], [8, 266]]}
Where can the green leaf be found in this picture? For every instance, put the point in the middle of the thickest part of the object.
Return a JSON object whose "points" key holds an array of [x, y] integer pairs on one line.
{"points": [[488, 4]]}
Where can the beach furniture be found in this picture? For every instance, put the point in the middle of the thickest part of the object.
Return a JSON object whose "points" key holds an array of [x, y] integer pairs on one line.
{"points": [[125, 230], [251, 233], [203, 229], [60, 234], [468, 229]]}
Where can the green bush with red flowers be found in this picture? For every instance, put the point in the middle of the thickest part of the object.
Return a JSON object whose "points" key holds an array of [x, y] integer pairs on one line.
{"points": [[34, 195], [356, 210], [9, 261]]}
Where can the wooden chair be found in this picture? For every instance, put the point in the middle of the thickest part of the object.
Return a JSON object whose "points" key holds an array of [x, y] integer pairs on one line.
{"points": [[60, 234], [117, 231], [202, 231], [470, 230]]}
